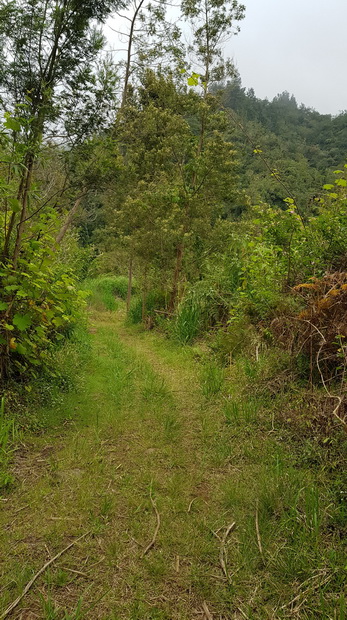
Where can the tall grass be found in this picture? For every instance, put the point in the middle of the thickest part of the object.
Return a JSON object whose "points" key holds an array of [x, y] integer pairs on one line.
{"points": [[155, 300], [103, 291], [202, 307], [8, 434]]}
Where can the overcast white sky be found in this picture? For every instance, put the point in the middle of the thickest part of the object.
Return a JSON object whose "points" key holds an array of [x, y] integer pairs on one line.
{"points": [[295, 45]]}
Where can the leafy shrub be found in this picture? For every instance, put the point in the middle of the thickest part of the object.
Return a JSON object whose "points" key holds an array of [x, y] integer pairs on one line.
{"points": [[39, 306], [155, 300], [104, 290], [201, 308]]}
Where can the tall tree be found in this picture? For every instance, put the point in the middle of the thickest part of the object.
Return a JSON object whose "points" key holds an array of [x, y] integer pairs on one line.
{"points": [[47, 54], [212, 22]]}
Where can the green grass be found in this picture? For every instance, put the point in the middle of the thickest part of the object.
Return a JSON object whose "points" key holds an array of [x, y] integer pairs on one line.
{"points": [[149, 423], [9, 433], [104, 291]]}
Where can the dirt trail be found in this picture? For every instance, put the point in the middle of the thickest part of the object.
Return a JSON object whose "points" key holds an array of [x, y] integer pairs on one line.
{"points": [[139, 451], [191, 508]]}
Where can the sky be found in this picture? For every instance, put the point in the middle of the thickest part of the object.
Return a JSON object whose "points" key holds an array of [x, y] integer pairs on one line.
{"points": [[294, 45]]}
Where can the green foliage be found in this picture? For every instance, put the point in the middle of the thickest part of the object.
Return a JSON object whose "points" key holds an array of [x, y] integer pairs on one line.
{"points": [[104, 290], [212, 378], [40, 304], [146, 307], [202, 307], [8, 434]]}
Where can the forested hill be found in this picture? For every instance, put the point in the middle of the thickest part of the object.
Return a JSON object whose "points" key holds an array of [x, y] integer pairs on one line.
{"points": [[303, 145]]}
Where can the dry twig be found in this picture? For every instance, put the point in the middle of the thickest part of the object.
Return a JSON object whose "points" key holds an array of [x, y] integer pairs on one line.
{"points": [[207, 612], [222, 553], [191, 504], [13, 605], [151, 544], [258, 531]]}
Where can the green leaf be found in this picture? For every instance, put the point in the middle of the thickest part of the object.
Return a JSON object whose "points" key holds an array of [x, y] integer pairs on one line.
{"points": [[11, 287], [341, 182], [12, 123], [21, 350], [3, 305], [328, 186], [192, 81], [14, 204], [22, 321]]}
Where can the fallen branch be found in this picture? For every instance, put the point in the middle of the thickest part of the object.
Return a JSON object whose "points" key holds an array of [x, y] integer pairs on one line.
{"points": [[308, 590], [338, 398], [191, 504], [258, 532], [222, 552], [152, 543], [207, 611], [13, 605]]}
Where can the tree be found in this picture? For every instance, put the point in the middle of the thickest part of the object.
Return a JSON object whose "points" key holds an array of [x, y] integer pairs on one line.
{"points": [[212, 22], [151, 40], [47, 54]]}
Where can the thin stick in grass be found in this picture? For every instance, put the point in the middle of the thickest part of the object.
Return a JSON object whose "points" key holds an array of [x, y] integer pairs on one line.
{"points": [[207, 612], [13, 605], [222, 552], [152, 543], [258, 532]]}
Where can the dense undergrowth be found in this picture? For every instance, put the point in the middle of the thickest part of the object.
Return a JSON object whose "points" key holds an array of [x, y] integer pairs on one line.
{"points": [[31, 407]]}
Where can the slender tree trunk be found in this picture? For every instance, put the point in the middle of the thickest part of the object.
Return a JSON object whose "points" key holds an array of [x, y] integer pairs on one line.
{"points": [[24, 211], [176, 277], [129, 54], [61, 234], [6, 248], [144, 296], [130, 279]]}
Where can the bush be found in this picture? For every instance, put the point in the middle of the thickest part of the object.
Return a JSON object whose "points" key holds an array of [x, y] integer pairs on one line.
{"points": [[202, 307], [155, 300], [104, 290], [39, 306]]}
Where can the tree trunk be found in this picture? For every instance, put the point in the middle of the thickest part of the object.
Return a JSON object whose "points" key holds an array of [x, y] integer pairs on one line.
{"points": [[176, 277], [61, 234], [24, 211], [130, 279], [129, 54]]}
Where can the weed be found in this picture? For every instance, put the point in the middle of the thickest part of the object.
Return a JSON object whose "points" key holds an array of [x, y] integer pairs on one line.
{"points": [[212, 379], [8, 435], [104, 290], [52, 612]]}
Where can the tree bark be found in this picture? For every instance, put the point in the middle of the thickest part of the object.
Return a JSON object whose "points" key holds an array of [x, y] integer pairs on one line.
{"points": [[23, 215], [130, 279], [61, 234], [176, 277], [128, 62]]}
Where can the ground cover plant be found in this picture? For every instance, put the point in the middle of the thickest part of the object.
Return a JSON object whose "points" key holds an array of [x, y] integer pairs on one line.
{"points": [[238, 515], [172, 326]]}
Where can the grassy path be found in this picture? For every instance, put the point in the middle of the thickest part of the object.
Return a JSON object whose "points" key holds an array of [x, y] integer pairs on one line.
{"points": [[146, 444]]}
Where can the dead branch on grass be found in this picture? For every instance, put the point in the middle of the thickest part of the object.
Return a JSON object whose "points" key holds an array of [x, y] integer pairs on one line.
{"points": [[308, 590], [191, 504], [207, 612], [222, 552], [152, 543], [13, 605], [258, 531]]}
